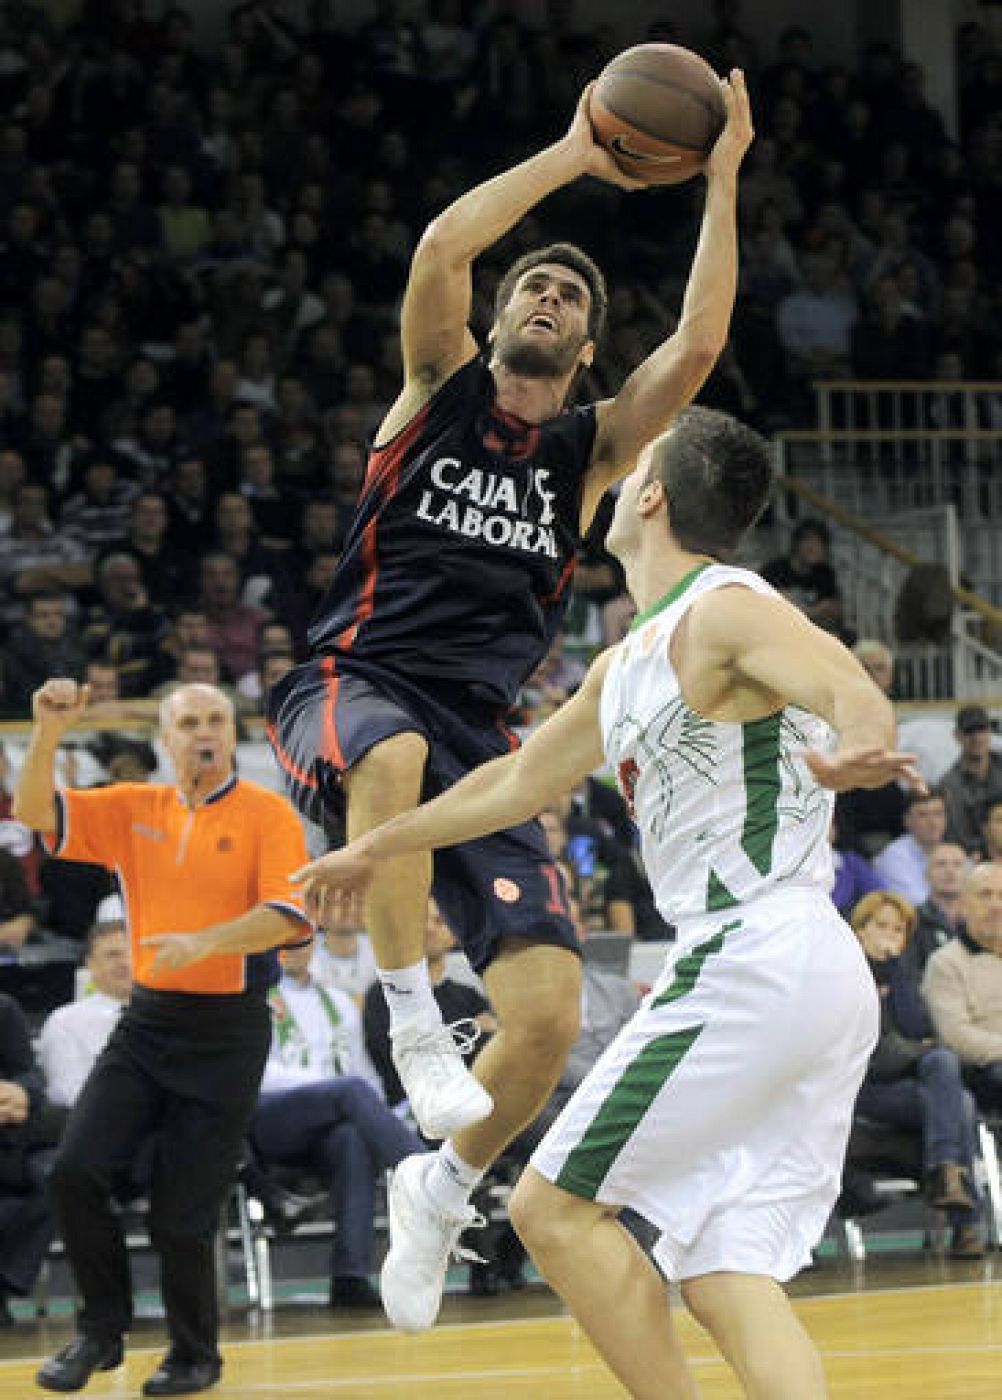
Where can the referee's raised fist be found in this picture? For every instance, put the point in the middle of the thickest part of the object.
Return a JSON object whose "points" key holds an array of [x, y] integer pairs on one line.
{"points": [[59, 703]]}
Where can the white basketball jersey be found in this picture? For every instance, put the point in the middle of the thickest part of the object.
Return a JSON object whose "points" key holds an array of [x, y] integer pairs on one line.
{"points": [[726, 811]]}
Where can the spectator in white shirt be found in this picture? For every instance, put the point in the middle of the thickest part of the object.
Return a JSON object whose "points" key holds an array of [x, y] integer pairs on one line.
{"points": [[317, 1112], [343, 959], [74, 1035]]}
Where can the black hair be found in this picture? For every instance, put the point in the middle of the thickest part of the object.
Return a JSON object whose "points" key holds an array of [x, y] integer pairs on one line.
{"points": [[810, 527], [566, 255], [993, 800], [916, 799], [717, 476], [101, 930]]}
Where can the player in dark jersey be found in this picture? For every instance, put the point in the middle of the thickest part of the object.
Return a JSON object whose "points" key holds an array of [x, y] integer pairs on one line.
{"points": [[451, 585]]}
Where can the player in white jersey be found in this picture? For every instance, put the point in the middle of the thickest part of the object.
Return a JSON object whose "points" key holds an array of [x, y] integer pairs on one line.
{"points": [[722, 1109]]}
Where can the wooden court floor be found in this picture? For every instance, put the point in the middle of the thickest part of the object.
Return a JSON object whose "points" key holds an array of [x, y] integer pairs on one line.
{"points": [[919, 1333]]}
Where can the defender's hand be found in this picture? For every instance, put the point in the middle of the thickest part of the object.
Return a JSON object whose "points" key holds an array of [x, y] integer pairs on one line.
{"points": [[864, 768], [335, 886]]}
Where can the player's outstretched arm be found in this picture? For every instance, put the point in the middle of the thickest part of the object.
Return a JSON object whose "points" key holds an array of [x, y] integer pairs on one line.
{"points": [[254, 932], [673, 374], [509, 790], [55, 707], [764, 647], [435, 335]]}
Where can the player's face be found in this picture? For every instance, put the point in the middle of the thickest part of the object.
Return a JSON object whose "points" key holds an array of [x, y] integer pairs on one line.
{"points": [[198, 734], [543, 330]]}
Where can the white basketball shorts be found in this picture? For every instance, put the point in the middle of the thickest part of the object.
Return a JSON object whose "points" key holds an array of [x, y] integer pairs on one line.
{"points": [[722, 1110]]}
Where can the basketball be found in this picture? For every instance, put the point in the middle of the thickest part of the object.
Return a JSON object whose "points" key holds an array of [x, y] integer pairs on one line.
{"points": [[658, 108]]}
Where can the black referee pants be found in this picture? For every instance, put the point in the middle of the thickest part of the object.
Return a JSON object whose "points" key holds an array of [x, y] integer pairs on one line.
{"points": [[183, 1071]]}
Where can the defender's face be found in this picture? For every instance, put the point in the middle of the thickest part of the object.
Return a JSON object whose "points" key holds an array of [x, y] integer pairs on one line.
{"points": [[624, 528], [543, 330]]}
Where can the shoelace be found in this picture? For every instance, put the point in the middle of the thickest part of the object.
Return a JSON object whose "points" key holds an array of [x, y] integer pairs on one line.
{"points": [[465, 1034], [461, 1252]]}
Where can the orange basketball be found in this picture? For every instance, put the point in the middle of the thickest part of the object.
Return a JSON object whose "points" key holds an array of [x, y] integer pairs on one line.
{"points": [[658, 108]]}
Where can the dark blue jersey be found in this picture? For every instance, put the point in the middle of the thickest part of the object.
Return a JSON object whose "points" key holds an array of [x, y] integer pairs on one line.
{"points": [[455, 569]]}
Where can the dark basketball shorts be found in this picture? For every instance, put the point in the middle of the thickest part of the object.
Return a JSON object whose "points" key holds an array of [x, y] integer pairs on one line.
{"points": [[326, 715]]}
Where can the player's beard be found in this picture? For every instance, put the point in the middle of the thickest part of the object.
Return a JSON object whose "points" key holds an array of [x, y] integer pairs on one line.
{"points": [[531, 359]]}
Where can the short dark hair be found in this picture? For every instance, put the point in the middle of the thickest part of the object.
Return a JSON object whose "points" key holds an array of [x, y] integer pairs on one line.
{"points": [[717, 476], [993, 800], [811, 528], [918, 799], [101, 930], [566, 255]]}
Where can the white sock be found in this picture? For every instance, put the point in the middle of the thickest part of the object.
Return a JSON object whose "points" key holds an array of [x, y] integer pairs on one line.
{"points": [[408, 993], [450, 1181]]}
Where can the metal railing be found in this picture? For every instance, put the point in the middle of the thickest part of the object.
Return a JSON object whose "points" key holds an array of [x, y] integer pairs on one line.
{"points": [[911, 444], [878, 540]]}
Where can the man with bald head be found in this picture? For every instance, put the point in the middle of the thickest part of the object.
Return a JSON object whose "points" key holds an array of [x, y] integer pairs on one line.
{"points": [[203, 863], [963, 985]]}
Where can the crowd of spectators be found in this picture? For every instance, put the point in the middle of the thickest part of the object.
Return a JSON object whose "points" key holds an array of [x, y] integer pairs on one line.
{"points": [[203, 251]]}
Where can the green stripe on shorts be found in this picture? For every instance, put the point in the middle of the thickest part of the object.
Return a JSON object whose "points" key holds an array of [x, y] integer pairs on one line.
{"points": [[617, 1120], [687, 969], [621, 1112]]}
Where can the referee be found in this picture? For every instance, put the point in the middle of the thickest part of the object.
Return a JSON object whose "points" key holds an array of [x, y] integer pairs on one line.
{"points": [[203, 866]]}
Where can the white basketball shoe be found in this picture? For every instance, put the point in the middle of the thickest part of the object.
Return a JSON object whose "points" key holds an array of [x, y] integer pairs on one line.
{"points": [[443, 1094], [422, 1237]]}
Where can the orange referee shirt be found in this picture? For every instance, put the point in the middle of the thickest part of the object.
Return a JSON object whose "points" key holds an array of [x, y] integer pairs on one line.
{"points": [[182, 869]]}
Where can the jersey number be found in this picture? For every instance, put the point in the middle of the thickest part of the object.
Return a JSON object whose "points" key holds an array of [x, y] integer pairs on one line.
{"points": [[557, 902]]}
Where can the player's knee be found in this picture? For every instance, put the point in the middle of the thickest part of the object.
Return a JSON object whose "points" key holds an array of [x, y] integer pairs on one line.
{"points": [[699, 1301], [544, 1031], [534, 1211], [548, 1220]]}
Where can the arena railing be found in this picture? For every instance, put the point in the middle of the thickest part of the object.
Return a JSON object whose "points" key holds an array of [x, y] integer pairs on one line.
{"points": [[877, 547]]}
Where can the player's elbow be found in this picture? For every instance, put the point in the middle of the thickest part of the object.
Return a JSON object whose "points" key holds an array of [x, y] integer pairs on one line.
{"points": [[442, 243], [883, 716], [698, 354]]}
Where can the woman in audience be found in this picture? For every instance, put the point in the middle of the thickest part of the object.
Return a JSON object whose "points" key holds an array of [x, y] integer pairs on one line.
{"points": [[914, 1082]]}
